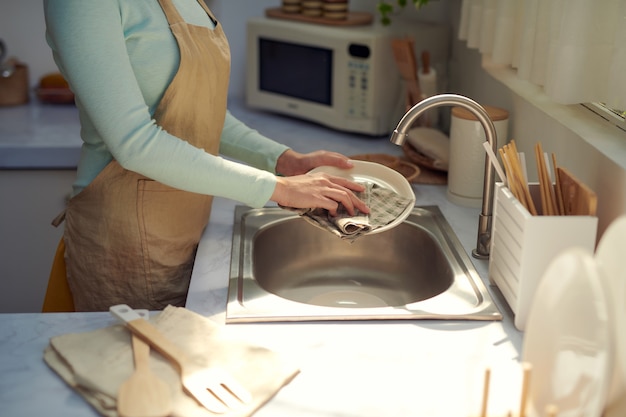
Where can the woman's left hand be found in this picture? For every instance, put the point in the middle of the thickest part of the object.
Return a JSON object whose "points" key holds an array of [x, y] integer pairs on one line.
{"points": [[294, 163]]}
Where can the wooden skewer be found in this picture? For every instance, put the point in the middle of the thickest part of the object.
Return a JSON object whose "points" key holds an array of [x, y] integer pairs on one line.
{"points": [[545, 205], [483, 410], [517, 167], [527, 369], [508, 171], [515, 183], [557, 186], [506, 159]]}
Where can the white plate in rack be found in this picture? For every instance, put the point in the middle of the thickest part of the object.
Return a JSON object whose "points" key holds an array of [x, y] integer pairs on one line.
{"points": [[568, 338], [386, 177], [610, 256]]}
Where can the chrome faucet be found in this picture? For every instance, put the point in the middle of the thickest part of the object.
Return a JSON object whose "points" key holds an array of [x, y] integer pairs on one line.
{"points": [[399, 135]]}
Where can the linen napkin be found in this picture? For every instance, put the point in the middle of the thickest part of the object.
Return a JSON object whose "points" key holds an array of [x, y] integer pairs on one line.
{"points": [[96, 363], [385, 206], [432, 143]]}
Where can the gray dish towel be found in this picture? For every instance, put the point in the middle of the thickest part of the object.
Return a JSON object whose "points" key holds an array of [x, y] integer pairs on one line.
{"points": [[385, 206]]}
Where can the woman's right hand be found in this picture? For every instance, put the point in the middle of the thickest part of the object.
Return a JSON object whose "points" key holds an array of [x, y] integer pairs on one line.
{"points": [[318, 190]]}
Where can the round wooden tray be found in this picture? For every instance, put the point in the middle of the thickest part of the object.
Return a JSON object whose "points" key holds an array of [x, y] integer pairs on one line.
{"points": [[380, 158], [353, 18], [409, 170]]}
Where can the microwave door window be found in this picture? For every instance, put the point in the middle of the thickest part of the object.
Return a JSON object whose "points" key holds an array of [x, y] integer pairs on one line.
{"points": [[296, 70]]}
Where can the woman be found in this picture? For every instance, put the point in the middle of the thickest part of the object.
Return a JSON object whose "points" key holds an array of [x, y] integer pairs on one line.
{"points": [[151, 81]]}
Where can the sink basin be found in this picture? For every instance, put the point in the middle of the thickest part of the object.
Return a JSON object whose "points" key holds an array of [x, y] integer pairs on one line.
{"points": [[285, 269]]}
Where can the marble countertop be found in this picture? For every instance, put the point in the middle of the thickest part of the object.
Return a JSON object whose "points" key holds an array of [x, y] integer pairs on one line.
{"points": [[403, 368], [39, 136]]}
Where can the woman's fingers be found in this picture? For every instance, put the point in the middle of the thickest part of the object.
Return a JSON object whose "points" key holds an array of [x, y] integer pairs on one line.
{"points": [[341, 191], [319, 191], [294, 163]]}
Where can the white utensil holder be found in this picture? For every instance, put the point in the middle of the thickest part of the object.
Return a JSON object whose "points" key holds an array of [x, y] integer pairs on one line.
{"points": [[523, 245]]}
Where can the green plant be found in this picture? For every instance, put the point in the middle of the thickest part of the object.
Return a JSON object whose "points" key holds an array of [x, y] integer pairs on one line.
{"points": [[385, 8]]}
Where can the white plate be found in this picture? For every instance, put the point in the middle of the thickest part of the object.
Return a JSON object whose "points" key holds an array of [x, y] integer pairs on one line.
{"points": [[364, 171], [567, 339], [610, 255]]}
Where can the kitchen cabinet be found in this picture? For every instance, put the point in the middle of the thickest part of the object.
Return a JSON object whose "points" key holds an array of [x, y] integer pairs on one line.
{"points": [[39, 149], [30, 200]]}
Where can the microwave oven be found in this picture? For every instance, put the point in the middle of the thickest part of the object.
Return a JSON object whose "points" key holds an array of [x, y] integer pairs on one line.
{"points": [[342, 77]]}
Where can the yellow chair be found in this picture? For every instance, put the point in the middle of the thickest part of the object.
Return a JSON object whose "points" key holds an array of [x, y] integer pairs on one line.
{"points": [[58, 295]]}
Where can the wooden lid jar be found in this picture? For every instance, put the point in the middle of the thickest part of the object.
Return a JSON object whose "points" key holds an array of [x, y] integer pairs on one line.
{"points": [[14, 90], [466, 169]]}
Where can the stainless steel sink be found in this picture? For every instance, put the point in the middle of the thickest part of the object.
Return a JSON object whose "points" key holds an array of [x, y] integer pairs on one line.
{"points": [[284, 269]]}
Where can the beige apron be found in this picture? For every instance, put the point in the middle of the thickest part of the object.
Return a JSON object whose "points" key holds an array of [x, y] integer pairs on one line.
{"points": [[131, 239]]}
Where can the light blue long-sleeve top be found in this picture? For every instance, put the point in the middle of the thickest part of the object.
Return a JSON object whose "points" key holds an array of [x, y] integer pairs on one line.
{"points": [[119, 56]]}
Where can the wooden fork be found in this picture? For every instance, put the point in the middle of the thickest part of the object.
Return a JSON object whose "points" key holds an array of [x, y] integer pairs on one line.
{"points": [[213, 388]]}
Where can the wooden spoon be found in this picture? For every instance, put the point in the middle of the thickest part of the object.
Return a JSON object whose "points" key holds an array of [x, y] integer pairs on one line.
{"points": [[143, 394]]}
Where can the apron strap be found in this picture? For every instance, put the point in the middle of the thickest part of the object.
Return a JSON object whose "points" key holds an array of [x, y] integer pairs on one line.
{"points": [[172, 15], [208, 12]]}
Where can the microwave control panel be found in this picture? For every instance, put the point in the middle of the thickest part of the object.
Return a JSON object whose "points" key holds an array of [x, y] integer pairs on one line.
{"points": [[358, 88], [359, 70]]}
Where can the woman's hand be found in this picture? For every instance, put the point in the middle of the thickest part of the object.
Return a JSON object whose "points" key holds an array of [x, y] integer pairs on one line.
{"points": [[301, 190], [318, 191], [295, 163]]}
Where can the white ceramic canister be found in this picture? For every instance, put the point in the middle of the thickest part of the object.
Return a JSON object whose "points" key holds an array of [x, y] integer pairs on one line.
{"points": [[467, 156]]}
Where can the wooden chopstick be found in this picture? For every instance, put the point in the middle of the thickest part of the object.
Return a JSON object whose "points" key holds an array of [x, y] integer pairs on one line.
{"points": [[530, 205], [483, 409], [508, 170], [542, 193], [515, 176], [551, 410], [551, 191], [527, 369], [547, 201]]}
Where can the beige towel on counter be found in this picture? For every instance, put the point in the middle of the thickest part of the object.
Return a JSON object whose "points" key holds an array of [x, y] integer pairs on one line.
{"points": [[96, 363], [385, 206]]}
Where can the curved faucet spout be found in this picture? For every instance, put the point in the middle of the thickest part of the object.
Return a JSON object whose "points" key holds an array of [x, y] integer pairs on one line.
{"points": [[399, 135]]}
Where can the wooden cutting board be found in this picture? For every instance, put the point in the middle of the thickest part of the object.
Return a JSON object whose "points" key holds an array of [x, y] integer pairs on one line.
{"points": [[578, 198]]}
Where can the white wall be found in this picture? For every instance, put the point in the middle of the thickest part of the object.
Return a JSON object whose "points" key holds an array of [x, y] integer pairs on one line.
{"points": [[578, 137], [22, 27]]}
